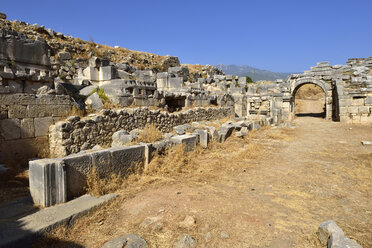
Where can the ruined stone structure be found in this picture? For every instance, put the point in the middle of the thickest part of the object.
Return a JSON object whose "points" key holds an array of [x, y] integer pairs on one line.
{"points": [[44, 75], [76, 134]]}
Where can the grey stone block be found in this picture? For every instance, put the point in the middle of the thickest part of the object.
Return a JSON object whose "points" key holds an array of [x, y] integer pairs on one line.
{"points": [[225, 131], [212, 132], [188, 140], [203, 137], [27, 128], [86, 91], [325, 230], [10, 129], [101, 160], [47, 182], [78, 167], [42, 125], [123, 158], [94, 102]]}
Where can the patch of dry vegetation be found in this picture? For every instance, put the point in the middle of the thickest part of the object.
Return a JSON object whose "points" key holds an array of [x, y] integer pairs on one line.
{"points": [[212, 165], [149, 134]]}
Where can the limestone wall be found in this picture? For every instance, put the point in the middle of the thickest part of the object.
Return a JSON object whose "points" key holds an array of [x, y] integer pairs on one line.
{"points": [[24, 123], [76, 134]]}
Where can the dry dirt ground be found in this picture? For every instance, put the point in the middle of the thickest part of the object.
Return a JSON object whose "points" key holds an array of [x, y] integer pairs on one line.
{"points": [[271, 189]]}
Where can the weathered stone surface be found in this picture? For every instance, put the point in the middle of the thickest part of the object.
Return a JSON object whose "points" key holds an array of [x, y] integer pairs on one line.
{"points": [[121, 138], [94, 102], [15, 235], [123, 158], [10, 129], [78, 167], [47, 182], [203, 137], [86, 91], [64, 55], [128, 240], [185, 242], [338, 240], [42, 125], [225, 131], [27, 128], [188, 140], [331, 235]]}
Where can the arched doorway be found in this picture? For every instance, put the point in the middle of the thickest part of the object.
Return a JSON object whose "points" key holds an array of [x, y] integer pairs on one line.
{"points": [[326, 89], [309, 100]]}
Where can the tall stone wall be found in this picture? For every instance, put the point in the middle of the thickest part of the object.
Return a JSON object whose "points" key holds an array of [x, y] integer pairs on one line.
{"points": [[76, 134], [25, 121]]}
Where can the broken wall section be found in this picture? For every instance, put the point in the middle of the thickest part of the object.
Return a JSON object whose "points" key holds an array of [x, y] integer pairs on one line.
{"points": [[76, 134]]}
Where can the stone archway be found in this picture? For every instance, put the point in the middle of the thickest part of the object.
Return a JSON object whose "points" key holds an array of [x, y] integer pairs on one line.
{"points": [[327, 88]]}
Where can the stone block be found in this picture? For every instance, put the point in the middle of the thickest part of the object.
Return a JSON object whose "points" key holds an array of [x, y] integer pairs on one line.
{"points": [[47, 182], [203, 137], [175, 83], [125, 158], [106, 73], [353, 109], [368, 101], [94, 101], [17, 111], [101, 160], [10, 129], [42, 125], [78, 167], [15, 87], [363, 109], [212, 132], [162, 83], [27, 128], [188, 140], [91, 73], [225, 131]]}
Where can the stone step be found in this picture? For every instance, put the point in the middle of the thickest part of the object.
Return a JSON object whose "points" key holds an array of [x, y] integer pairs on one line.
{"points": [[23, 231]]}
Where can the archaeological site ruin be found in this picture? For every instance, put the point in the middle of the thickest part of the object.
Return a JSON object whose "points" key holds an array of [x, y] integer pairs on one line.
{"points": [[70, 108]]}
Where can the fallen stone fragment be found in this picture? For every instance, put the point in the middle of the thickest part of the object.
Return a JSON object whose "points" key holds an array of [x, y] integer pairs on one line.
{"points": [[188, 222], [367, 143], [325, 230], [331, 235], [185, 242], [128, 241]]}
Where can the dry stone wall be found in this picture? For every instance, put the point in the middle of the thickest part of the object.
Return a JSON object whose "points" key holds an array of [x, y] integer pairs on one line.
{"points": [[25, 121], [76, 134]]}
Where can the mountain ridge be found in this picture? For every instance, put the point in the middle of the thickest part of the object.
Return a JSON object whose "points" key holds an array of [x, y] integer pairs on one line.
{"points": [[254, 73]]}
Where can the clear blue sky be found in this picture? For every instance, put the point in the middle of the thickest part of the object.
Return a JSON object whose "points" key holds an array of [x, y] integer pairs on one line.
{"points": [[283, 36]]}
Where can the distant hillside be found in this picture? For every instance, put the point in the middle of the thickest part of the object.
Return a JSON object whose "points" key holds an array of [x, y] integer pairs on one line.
{"points": [[254, 73]]}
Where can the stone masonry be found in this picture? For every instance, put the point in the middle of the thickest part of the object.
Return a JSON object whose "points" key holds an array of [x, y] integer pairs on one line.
{"points": [[77, 134]]}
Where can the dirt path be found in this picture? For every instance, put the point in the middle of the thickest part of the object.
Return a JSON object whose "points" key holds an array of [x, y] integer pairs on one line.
{"points": [[270, 191]]}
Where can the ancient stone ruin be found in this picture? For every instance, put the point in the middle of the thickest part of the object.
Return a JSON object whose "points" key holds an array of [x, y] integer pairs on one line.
{"points": [[47, 79]]}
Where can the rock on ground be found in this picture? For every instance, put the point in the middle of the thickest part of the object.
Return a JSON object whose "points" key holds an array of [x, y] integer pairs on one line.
{"points": [[185, 242], [128, 241]]}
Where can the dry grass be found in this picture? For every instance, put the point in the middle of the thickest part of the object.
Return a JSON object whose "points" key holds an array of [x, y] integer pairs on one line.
{"points": [[149, 134], [98, 186]]}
